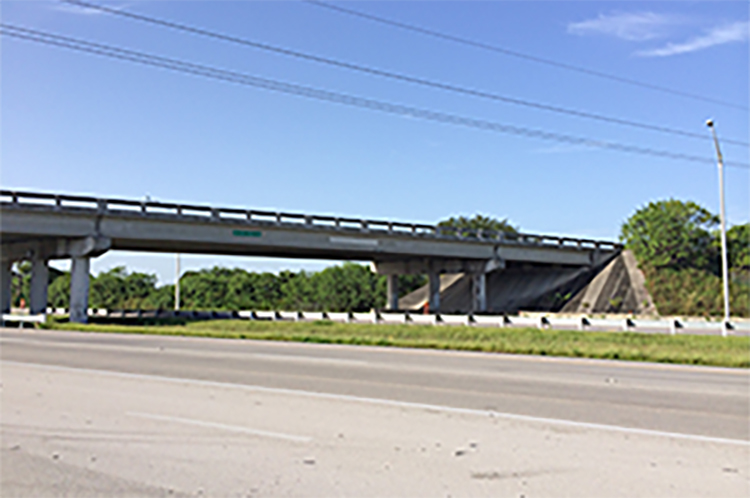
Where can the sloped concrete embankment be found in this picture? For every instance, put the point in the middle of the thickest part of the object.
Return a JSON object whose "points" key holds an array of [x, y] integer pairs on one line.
{"points": [[619, 288]]}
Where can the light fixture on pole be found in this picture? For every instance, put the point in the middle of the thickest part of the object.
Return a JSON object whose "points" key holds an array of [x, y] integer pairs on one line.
{"points": [[724, 265]]}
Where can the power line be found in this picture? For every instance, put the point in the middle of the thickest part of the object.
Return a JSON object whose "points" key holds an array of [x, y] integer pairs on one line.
{"points": [[520, 55], [335, 97], [396, 76]]}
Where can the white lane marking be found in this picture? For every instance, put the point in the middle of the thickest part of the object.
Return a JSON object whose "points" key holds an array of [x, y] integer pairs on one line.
{"points": [[217, 425], [389, 402], [173, 350], [306, 359]]}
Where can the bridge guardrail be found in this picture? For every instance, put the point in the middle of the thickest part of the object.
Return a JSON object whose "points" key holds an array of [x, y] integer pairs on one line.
{"points": [[78, 203], [665, 325], [22, 319]]}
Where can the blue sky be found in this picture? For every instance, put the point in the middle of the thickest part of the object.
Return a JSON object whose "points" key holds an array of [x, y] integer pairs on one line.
{"points": [[78, 123]]}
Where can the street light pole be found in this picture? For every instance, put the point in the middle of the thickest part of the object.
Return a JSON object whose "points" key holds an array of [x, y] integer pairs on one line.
{"points": [[724, 265], [177, 284]]}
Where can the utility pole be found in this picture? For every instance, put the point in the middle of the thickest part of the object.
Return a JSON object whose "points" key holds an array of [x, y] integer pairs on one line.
{"points": [[177, 284], [724, 265]]}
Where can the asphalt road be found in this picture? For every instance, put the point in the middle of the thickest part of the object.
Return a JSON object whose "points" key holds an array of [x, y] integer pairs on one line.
{"points": [[165, 415]]}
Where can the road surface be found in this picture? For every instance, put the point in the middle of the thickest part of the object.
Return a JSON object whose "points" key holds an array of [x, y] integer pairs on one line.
{"points": [[127, 415]]}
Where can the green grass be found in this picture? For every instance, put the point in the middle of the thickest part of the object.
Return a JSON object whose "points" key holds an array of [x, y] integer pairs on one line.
{"points": [[693, 350]]}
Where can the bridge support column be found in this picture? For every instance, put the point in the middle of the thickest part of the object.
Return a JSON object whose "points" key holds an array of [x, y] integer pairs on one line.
{"points": [[392, 292], [479, 292], [38, 287], [6, 280], [79, 289], [434, 297]]}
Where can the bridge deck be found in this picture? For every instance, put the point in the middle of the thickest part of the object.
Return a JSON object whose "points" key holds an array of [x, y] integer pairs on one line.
{"points": [[168, 227]]}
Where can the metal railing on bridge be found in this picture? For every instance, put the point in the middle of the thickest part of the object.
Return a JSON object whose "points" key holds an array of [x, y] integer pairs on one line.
{"points": [[190, 212]]}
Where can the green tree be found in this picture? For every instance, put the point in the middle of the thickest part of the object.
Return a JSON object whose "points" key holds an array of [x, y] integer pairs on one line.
{"points": [[298, 293], [118, 289], [108, 290], [58, 292], [349, 287], [672, 234], [478, 222], [738, 247], [161, 298], [204, 289]]}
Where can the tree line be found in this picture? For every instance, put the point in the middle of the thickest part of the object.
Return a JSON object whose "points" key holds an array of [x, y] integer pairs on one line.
{"points": [[347, 287]]}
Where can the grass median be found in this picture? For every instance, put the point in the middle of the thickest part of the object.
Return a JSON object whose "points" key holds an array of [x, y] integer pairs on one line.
{"points": [[682, 349]]}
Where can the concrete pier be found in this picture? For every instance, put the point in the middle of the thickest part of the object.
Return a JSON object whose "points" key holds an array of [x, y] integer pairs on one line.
{"points": [[479, 292], [6, 285], [434, 295], [392, 292], [79, 289], [38, 286]]}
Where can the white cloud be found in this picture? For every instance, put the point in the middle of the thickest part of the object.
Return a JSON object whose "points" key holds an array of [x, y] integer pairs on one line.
{"points": [[719, 35], [633, 26]]}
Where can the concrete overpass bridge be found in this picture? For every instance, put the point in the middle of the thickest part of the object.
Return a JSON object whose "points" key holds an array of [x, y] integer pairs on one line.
{"points": [[43, 226]]}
